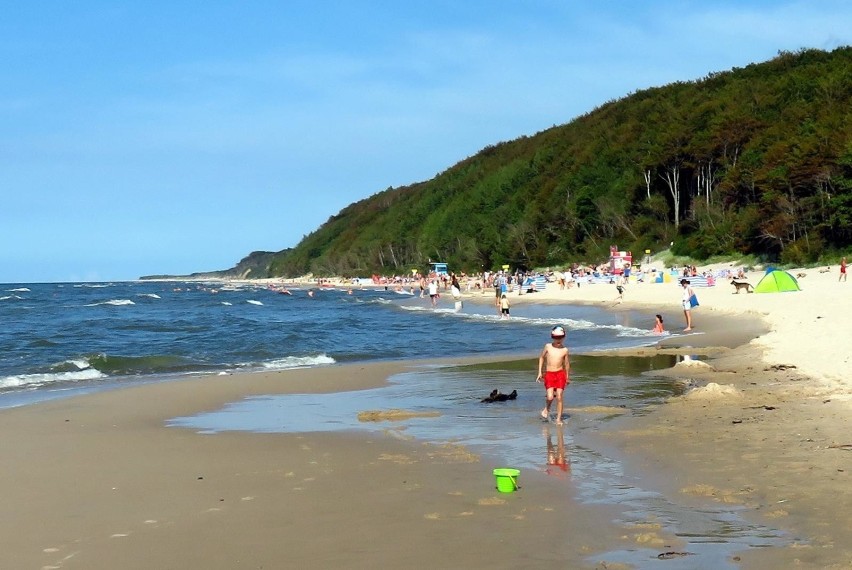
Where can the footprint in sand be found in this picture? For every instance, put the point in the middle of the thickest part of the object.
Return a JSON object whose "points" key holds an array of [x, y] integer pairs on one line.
{"points": [[491, 501], [398, 458], [604, 565], [62, 561], [700, 490]]}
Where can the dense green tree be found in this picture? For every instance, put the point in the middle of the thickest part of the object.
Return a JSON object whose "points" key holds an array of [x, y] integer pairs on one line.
{"points": [[755, 160]]}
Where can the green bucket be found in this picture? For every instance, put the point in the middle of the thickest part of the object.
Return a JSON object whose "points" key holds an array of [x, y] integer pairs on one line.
{"points": [[507, 479]]}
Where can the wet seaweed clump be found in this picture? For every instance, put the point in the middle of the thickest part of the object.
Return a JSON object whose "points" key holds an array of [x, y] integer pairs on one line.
{"points": [[394, 415]]}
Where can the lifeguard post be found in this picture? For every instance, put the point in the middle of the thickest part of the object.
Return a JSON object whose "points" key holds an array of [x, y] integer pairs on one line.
{"points": [[439, 268], [618, 260]]}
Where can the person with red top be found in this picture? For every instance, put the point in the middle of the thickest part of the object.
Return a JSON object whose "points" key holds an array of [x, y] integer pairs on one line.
{"points": [[842, 270]]}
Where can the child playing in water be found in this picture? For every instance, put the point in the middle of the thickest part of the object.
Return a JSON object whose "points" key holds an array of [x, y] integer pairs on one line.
{"points": [[553, 367], [504, 306], [658, 325]]}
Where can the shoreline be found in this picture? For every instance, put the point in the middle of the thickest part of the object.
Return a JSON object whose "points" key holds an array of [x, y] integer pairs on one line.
{"points": [[108, 485], [770, 441]]}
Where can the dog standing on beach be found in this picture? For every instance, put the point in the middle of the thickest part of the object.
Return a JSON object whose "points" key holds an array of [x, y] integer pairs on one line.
{"points": [[742, 285]]}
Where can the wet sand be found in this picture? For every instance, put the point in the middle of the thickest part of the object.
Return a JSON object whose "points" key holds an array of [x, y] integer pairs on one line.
{"points": [[97, 481], [755, 436]]}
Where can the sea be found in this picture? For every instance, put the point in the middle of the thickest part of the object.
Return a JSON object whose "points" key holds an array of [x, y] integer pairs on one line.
{"points": [[59, 339], [64, 339]]}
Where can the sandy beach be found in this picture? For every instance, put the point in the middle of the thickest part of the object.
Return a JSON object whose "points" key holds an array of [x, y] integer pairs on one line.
{"points": [[810, 328], [98, 481], [767, 423]]}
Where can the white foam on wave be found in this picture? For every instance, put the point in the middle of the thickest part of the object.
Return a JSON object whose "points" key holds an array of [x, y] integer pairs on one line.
{"points": [[253, 302], [18, 290], [571, 324], [298, 362], [227, 303], [114, 302], [582, 324], [80, 363], [417, 308], [36, 380], [150, 295], [10, 297]]}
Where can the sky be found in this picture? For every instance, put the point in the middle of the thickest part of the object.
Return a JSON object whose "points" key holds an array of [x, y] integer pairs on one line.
{"points": [[170, 137]]}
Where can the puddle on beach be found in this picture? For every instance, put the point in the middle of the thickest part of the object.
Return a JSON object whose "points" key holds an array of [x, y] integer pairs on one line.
{"points": [[442, 404]]}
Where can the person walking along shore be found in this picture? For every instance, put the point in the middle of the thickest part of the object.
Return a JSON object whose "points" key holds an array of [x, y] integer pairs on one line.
{"points": [[553, 369]]}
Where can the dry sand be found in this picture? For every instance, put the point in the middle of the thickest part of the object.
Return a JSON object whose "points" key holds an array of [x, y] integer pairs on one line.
{"points": [[811, 328], [98, 482]]}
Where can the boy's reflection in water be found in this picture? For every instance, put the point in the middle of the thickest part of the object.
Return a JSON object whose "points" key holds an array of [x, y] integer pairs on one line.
{"points": [[557, 460]]}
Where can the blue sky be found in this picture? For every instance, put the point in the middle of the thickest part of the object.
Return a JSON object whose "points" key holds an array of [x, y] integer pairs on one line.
{"points": [[178, 136]]}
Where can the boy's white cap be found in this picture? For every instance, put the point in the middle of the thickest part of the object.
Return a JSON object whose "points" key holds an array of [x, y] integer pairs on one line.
{"points": [[557, 331]]}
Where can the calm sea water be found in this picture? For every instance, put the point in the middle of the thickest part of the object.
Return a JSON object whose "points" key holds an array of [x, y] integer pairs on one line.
{"points": [[66, 337]]}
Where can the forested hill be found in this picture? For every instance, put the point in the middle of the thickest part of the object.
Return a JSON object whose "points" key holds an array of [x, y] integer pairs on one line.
{"points": [[755, 160]]}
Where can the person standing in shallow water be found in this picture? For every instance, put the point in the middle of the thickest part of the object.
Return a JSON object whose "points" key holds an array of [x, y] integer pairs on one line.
{"points": [[504, 306], [433, 292], [553, 369], [687, 306]]}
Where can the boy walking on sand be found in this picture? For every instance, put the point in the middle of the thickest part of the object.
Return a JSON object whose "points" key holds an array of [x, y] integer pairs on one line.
{"points": [[553, 367]]}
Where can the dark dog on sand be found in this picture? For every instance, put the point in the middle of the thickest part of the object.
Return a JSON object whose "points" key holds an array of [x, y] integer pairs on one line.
{"points": [[496, 396], [742, 285]]}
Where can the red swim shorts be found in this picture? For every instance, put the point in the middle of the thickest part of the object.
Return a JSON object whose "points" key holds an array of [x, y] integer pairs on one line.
{"points": [[555, 379]]}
